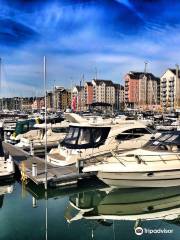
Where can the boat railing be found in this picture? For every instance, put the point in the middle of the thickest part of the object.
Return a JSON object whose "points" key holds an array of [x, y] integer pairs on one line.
{"points": [[139, 158]]}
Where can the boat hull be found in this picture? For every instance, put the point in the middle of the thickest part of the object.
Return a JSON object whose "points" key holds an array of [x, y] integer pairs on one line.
{"points": [[145, 179]]}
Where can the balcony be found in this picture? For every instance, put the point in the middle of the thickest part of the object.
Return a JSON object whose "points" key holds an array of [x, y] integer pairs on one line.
{"points": [[171, 91], [164, 80], [163, 83], [163, 88]]}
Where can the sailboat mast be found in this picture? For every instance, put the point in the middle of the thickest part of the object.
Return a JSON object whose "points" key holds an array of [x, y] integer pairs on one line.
{"points": [[1, 83], [45, 104]]}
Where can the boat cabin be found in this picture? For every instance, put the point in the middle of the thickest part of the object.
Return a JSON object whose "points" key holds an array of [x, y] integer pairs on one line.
{"points": [[83, 137], [132, 133]]}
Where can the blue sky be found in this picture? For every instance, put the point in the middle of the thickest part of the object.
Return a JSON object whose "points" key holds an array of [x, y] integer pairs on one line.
{"points": [[112, 36]]}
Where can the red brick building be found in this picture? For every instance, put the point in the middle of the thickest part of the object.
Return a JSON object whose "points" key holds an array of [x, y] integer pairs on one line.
{"points": [[38, 103], [131, 89], [141, 90], [88, 93]]}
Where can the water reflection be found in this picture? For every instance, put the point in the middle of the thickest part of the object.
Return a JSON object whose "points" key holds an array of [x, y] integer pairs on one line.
{"points": [[5, 189], [88, 211], [38, 193], [125, 204]]}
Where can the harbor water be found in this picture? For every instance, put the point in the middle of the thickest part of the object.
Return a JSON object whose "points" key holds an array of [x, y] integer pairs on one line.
{"points": [[28, 213]]}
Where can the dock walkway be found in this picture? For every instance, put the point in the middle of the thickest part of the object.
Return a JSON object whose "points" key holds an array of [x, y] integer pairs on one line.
{"points": [[56, 175]]}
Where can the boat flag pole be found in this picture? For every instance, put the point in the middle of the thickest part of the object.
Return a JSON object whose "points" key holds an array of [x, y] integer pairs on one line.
{"points": [[45, 104]]}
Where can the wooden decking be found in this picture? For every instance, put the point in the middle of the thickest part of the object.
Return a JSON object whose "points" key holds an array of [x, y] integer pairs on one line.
{"points": [[56, 175]]}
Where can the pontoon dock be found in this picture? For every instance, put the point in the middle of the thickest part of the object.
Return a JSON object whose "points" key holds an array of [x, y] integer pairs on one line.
{"points": [[57, 176]]}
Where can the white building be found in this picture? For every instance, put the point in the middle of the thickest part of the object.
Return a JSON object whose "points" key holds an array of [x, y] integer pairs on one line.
{"points": [[103, 91], [170, 89]]}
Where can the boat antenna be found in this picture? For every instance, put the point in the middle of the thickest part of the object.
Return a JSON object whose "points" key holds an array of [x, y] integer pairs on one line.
{"points": [[45, 104]]}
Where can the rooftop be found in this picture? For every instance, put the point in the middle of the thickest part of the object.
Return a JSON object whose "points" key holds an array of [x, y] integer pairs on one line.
{"points": [[101, 81], [174, 71], [140, 75], [89, 83]]}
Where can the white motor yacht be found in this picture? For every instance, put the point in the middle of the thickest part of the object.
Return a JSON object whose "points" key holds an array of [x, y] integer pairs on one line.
{"points": [[92, 139], [55, 133], [7, 169], [157, 164]]}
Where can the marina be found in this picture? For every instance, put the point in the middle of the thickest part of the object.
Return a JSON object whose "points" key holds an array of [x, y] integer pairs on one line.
{"points": [[90, 173], [89, 120]]}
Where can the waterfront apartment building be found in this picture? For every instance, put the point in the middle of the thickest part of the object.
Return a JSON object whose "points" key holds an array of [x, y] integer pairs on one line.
{"points": [[103, 91], [65, 100], [119, 96], [50, 100], [10, 103], [26, 103], [61, 98], [38, 103], [170, 90], [88, 93], [142, 90], [78, 101], [97, 91], [131, 89]]}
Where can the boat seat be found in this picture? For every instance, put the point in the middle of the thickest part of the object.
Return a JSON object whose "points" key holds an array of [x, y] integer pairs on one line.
{"points": [[57, 156], [175, 149]]}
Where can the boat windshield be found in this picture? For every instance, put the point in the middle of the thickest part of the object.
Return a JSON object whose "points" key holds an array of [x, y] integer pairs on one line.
{"points": [[24, 126], [59, 130], [85, 137], [1, 149], [166, 142]]}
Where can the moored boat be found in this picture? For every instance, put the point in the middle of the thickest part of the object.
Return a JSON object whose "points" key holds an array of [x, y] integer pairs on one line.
{"points": [[92, 139], [157, 164], [7, 169]]}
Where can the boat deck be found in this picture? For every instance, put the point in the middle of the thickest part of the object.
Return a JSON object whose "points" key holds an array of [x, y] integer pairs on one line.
{"points": [[57, 156], [57, 175]]}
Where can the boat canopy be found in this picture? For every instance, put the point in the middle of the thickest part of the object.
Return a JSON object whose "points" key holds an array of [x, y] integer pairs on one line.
{"points": [[85, 137], [24, 126], [164, 140]]}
